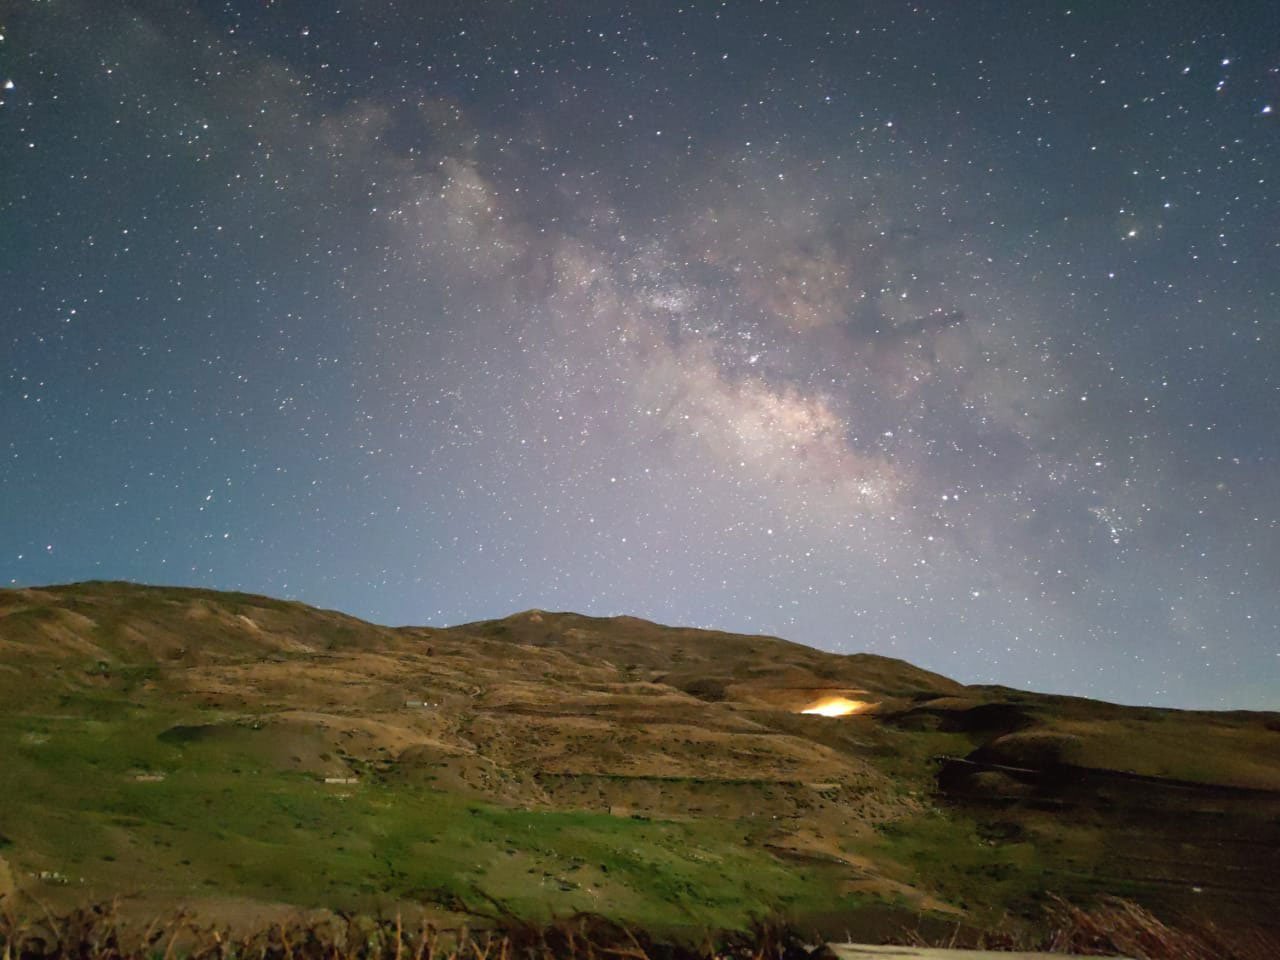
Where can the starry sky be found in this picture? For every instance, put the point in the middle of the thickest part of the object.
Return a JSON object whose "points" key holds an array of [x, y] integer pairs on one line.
{"points": [[948, 331]]}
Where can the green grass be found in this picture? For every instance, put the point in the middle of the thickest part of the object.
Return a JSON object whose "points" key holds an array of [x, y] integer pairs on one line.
{"points": [[946, 852], [225, 821], [907, 756]]}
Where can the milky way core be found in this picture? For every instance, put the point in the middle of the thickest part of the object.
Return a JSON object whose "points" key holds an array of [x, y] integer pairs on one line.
{"points": [[942, 331]]}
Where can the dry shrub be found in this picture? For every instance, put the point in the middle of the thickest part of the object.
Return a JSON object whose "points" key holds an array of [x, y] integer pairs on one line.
{"points": [[1114, 927], [1117, 926], [95, 933]]}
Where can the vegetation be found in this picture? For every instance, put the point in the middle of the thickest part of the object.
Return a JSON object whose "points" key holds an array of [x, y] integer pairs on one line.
{"points": [[1113, 927], [182, 746], [1116, 927], [224, 821]]}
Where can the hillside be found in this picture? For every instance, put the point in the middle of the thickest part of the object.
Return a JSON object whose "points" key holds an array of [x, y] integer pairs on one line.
{"points": [[237, 753]]}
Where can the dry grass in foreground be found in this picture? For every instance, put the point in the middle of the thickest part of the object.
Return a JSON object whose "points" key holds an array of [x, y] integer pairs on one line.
{"points": [[1118, 927], [95, 933], [1114, 927], [1123, 927]]}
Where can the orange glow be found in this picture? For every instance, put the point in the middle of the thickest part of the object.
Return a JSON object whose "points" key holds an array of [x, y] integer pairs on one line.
{"points": [[837, 707]]}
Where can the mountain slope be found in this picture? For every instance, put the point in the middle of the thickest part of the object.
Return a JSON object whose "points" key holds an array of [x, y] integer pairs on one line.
{"points": [[222, 749]]}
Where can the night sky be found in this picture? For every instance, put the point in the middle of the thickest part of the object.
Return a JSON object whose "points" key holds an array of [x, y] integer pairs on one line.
{"points": [[943, 330]]}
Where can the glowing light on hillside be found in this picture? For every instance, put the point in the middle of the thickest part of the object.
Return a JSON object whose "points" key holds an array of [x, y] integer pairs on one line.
{"points": [[837, 707]]}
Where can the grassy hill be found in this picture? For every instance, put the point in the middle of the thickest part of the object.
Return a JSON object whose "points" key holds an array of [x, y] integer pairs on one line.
{"points": [[240, 755]]}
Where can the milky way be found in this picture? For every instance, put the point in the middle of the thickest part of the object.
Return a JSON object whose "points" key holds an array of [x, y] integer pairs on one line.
{"points": [[945, 331]]}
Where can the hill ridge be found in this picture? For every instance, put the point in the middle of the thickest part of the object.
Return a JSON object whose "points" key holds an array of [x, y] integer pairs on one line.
{"points": [[170, 740]]}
